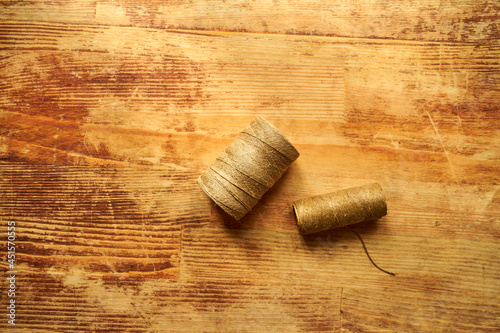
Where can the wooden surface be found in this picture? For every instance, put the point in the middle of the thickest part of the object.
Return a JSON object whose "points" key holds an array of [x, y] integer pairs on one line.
{"points": [[109, 111]]}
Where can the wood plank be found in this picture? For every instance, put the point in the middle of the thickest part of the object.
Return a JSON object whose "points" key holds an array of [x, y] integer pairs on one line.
{"points": [[449, 20], [337, 259], [79, 300], [110, 221], [425, 196], [439, 97], [81, 11], [396, 309]]}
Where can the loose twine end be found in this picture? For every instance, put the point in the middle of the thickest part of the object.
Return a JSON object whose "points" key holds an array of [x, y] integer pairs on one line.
{"points": [[367, 254]]}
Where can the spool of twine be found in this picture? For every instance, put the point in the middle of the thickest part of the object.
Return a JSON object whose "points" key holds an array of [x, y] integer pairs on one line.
{"points": [[247, 168], [340, 208]]}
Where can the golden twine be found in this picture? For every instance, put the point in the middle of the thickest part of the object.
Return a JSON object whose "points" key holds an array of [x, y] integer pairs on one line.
{"points": [[248, 167], [340, 208]]}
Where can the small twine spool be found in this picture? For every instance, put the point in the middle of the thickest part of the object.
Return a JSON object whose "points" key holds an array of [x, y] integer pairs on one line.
{"points": [[247, 168], [340, 208]]}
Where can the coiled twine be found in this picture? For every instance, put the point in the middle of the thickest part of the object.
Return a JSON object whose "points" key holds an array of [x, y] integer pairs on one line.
{"points": [[248, 167]]}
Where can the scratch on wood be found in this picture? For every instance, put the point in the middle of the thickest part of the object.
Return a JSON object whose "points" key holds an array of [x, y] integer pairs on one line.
{"points": [[442, 145]]}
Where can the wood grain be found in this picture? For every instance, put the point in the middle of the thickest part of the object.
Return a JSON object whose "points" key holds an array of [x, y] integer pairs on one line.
{"points": [[110, 111], [347, 88], [76, 217], [449, 20], [394, 309], [78, 301]]}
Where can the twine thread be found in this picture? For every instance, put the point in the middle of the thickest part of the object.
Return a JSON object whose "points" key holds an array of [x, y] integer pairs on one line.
{"points": [[247, 168], [367, 254], [340, 208]]}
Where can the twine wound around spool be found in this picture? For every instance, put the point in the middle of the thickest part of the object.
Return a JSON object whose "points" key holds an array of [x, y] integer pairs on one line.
{"points": [[247, 168], [341, 208]]}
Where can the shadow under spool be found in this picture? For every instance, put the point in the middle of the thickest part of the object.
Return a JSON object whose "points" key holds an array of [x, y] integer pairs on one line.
{"points": [[248, 167], [340, 208]]}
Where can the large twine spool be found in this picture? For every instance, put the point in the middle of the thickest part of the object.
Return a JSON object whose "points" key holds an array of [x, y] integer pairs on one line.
{"points": [[247, 168], [340, 208]]}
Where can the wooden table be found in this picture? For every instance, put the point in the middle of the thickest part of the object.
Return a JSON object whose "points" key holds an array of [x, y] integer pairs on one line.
{"points": [[109, 111]]}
